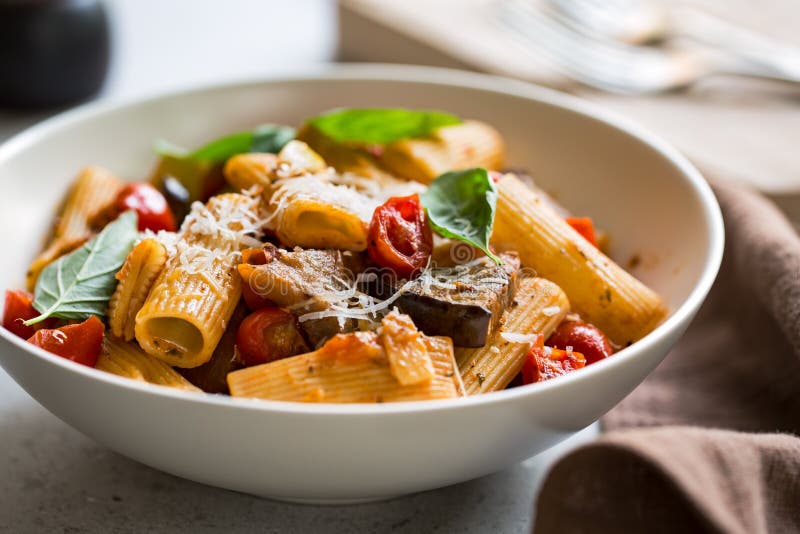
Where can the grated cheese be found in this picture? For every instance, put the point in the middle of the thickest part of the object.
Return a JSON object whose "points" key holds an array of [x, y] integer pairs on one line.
{"points": [[516, 337], [353, 304], [236, 224], [550, 311]]}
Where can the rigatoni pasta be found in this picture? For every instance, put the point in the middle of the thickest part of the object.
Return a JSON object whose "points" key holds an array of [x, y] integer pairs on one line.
{"points": [[185, 313], [599, 289], [312, 212], [376, 257], [470, 144], [127, 359], [91, 193], [350, 368], [136, 277], [342, 157], [540, 306], [244, 171]]}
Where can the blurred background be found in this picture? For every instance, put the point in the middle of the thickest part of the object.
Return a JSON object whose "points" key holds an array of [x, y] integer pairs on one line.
{"points": [[696, 72]]}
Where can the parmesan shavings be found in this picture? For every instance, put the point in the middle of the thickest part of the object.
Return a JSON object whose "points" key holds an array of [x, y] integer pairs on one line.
{"points": [[353, 304], [168, 239], [235, 224], [550, 311], [320, 187], [357, 194], [516, 337]]}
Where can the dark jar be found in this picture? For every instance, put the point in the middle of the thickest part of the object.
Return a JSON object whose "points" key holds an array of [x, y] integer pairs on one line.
{"points": [[52, 52]]}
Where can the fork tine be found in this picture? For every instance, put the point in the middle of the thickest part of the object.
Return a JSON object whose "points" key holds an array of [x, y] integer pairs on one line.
{"points": [[607, 65]]}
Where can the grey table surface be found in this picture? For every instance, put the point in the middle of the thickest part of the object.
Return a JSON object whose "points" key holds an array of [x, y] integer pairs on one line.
{"points": [[54, 479]]}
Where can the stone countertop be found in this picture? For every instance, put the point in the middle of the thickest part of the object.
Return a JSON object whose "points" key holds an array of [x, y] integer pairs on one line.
{"points": [[54, 479]]}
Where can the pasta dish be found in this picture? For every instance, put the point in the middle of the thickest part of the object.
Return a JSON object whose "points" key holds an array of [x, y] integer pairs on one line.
{"points": [[370, 255]]}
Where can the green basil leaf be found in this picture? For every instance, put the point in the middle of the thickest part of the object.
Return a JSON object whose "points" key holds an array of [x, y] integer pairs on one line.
{"points": [[379, 126], [461, 205], [264, 138], [271, 138], [80, 284]]}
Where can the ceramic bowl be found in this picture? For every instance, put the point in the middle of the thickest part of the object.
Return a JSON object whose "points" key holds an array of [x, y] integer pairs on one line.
{"points": [[652, 202]]}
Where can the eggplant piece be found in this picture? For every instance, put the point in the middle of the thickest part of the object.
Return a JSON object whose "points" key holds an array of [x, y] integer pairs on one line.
{"points": [[464, 302], [178, 197], [202, 179], [300, 279]]}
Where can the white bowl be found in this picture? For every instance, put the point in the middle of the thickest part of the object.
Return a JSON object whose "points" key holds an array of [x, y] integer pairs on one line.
{"points": [[649, 198]]}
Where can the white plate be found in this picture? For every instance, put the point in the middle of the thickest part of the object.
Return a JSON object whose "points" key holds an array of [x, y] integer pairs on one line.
{"points": [[650, 199]]}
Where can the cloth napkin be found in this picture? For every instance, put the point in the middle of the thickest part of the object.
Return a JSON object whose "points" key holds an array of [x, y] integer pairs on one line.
{"points": [[709, 442]]}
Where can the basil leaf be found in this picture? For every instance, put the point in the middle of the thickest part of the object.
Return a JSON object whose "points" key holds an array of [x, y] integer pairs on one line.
{"points": [[379, 126], [264, 138], [461, 205], [80, 284], [271, 138]]}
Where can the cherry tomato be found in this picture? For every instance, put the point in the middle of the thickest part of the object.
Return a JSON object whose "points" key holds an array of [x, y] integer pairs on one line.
{"points": [[267, 335], [530, 369], [253, 300], [400, 237], [149, 204], [81, 343], [544, 363], [582, 337], [18, 307], [585, 227], [256, 256]]}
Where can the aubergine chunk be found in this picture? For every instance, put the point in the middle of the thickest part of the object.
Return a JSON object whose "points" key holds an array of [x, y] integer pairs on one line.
{"points": [[464, 302], [304, 281]]}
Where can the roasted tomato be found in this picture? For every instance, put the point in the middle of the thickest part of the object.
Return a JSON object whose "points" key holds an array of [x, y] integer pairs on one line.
{"points": [[543, 363], [585, 227], [80, 342], [582, 337], [151, 206], [251, 294], [18, 307], [400, 237], [269, 334]]}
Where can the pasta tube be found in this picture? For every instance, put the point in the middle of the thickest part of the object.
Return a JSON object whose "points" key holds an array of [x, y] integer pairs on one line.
{"points": [[193, 298], [405, 349], [311, 212], [461, 146], [539, 306], [342, 157], [350, 368], [244, 171], [297, 158], [136, 277], [93, 190], [211, 377], [598, 289], [127, 359]]}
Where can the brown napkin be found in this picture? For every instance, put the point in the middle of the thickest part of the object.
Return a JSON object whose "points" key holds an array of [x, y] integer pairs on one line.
{"points": [[737, 368]]}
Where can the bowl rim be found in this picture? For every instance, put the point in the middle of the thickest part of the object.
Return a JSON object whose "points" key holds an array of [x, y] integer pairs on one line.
{"points": [[380, 72]]}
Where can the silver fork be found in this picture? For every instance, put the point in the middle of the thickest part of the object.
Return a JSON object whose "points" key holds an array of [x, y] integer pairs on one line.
{"points": [[615, 66], [646, 21]]}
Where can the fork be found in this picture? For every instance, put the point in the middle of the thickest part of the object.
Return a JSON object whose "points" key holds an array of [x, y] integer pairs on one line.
{"points": [[619, 67], [648, 21]]}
